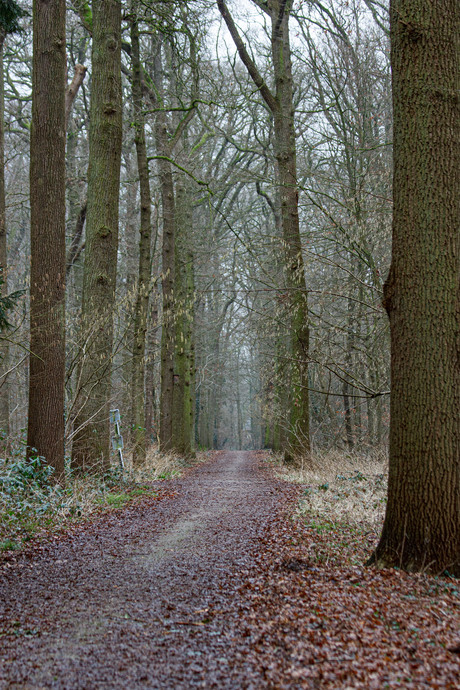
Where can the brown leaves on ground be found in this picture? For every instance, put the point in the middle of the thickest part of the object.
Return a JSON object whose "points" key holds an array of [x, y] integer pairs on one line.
{"points": [[313, 623], [325, 620], [224, 584]]}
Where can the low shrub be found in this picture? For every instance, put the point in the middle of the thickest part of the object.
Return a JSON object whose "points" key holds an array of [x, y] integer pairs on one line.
{"points": [[31, 502]]}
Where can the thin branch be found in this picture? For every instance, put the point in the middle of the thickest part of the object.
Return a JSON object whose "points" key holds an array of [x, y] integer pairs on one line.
{"points": [[72, 90], [180, 128], [203, 183], [254, 73]]}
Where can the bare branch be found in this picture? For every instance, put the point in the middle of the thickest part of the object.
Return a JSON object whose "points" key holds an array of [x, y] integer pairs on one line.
{"points": [[254, 73], [72, 90]]}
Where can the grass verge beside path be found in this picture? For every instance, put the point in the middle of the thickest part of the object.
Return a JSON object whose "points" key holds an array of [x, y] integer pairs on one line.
{"points": [[33, 506], [336, 623], [342, 503]]}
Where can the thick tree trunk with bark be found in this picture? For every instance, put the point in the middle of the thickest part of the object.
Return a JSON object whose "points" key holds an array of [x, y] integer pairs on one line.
{"points": [[422, 524], [144, 278], [4, 349], [168, 262], [298, 443], [91, 450], [184, 364], [45, 433]]}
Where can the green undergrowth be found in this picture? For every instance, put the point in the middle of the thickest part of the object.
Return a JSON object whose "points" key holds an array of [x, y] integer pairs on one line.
{"points": [[341, 505], [33, 504]]}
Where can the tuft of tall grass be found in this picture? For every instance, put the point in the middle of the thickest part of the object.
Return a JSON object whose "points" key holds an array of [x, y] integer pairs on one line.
{"points": [[342, 487], [157, 466]]}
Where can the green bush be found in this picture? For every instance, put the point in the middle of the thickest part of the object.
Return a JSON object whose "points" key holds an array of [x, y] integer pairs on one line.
{"points": [[25, 476]]}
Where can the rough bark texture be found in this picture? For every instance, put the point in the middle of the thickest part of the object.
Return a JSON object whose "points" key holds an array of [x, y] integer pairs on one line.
{"points": [[168, 264], [45, 431], [422, 524], [4, 350], [91, 442], [144, 279], [298, 443], [184, 361]]}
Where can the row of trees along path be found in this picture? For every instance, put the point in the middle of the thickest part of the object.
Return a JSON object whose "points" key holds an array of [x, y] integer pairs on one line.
{"points": [[421, 293]]}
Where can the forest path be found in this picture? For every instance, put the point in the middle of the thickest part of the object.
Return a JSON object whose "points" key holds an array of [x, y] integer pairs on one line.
{"points": [[146, 597]]}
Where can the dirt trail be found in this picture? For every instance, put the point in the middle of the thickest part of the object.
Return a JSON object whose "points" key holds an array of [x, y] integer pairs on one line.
{"points": [[148, 596]]}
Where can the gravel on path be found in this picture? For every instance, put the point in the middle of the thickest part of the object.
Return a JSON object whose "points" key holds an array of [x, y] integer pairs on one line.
{"points": [[146, 597]]}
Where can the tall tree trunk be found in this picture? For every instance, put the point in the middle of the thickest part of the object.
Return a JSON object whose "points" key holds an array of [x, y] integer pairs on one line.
{"points": [[239, 416], [285, 151], [151, 416], [179, 440], [91, 449], [349, 345], [128, 287], [184, 298], [45, 433], [201, 392], [4, 349], [168, 262], [190, 374], [422, 295], [144, 279]]}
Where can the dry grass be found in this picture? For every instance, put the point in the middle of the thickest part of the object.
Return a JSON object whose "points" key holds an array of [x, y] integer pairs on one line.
{"points": [[157, 466], [343, 488], [31, 503]]}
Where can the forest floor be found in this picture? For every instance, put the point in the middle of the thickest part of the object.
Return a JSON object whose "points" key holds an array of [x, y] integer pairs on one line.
{"points": [[221, 582]]}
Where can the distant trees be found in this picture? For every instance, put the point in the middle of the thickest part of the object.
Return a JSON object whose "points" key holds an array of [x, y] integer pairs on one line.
{"points": [[281, 106], [346, 182], [232, 294], [422, 292], [10, 15], [237, 184]]}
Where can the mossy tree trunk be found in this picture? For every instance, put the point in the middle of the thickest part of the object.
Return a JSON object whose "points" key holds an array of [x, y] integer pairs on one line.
{"points": [[168, 257], [91, 449], [4, 349], [422, 523], [45, 432], [184, 302], [298, 441], [144, 278]]}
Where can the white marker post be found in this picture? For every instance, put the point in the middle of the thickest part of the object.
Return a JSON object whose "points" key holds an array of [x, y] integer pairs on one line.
{"points": [[117, 438]]}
